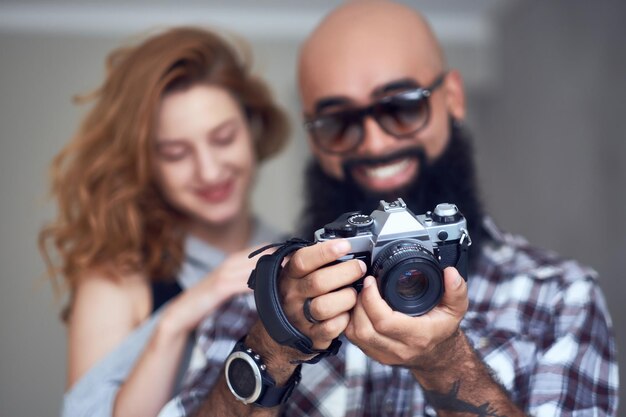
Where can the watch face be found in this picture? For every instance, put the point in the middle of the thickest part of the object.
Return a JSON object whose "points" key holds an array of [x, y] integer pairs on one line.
{"points": [[243, 377]]}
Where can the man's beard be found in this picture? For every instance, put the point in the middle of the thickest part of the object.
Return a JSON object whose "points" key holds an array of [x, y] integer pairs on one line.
{"points": [[451, 178]]}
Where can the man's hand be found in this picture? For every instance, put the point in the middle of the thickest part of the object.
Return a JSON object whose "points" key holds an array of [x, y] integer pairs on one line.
{"points": [[306, 276], [394, 338]]}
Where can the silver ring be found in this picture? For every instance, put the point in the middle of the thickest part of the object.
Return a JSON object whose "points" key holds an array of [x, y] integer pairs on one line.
{"points": [[306, 309]]}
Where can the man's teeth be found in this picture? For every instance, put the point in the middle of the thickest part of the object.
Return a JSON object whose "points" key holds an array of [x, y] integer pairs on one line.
{"points": [[387, 171]]}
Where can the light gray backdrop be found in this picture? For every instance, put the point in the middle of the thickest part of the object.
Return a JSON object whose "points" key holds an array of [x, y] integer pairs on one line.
{"points": [[546, 85]]}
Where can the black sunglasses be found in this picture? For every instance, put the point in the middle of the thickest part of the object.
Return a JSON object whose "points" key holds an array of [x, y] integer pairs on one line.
{"points": [[401, 115]]}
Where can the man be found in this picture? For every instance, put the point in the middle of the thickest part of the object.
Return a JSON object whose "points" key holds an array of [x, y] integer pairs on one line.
{"points": [[527, 333]]}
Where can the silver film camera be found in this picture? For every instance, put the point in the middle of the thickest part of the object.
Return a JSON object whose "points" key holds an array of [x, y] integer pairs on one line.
{"points": [[404, 252]]}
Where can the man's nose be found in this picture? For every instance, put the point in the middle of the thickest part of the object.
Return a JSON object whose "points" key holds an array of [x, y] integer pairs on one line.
{"points": [[375, 140]]}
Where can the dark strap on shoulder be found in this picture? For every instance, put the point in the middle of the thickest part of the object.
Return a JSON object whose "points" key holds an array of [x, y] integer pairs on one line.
{"points": [[264, 281], [162, 292]]}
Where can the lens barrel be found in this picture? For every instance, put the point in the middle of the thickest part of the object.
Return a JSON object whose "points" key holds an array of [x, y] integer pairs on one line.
{"points": [[409, 277]]}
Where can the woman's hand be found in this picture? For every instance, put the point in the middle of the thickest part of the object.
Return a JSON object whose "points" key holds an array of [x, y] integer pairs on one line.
{"points": [[156, 369], [193, 305]]}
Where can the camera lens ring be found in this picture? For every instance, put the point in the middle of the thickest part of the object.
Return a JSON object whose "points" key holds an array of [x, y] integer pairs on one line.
{"points": [[408, 258]]}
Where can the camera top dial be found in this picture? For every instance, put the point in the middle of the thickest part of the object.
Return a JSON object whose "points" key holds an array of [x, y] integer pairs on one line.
{"points": [[361, 220], [348, 225], [446, 213]]}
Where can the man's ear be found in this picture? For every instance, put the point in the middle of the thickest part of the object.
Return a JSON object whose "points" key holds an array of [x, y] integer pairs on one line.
{"points": [[455, 94]]}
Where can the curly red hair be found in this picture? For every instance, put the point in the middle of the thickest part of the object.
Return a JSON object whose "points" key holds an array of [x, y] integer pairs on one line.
{"points": [[111, 216]]}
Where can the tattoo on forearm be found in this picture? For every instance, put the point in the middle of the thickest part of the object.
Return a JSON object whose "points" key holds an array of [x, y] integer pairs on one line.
{"points": [[450, 401]]}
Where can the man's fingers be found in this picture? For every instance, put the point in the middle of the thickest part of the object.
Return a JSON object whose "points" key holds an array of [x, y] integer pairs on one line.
{"points": [[376, 308], [331, 278], [332, 304], [361, 330], [324, 333], [360, 327], [383, 318], [310, 258], [455, 295]]}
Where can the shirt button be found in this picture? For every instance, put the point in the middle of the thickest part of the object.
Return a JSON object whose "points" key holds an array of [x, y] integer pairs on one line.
{"points": [[389, 408], [483, 342]]}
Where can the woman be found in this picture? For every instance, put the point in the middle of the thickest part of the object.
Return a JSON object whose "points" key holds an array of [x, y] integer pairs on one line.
{"points": [[154, 192]]}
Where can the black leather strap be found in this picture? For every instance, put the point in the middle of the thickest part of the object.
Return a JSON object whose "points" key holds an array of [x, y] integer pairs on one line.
{"points": [[273, 395], [264, 281]]}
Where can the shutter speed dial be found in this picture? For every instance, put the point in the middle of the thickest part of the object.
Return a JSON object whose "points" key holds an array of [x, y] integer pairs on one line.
{"points": [[360, 220]]}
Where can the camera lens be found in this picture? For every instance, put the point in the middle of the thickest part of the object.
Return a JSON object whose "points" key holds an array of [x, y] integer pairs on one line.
{"points": [[409, 277], [411, 284]]}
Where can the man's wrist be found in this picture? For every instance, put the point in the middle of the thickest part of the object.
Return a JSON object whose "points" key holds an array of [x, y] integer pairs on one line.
{"points": [[450, 351], [454, 358], [250, 382], [281, 361]]}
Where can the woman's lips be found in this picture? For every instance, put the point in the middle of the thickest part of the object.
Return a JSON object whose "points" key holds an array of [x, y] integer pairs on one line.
{"points": [[216, 193]]}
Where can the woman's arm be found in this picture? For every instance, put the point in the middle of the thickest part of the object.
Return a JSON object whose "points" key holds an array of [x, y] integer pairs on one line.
{"points": [[151, 381], [104, 312]]}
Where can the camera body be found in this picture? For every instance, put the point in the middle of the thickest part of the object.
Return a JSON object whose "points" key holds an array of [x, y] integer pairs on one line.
{"points": [[406, 253]]}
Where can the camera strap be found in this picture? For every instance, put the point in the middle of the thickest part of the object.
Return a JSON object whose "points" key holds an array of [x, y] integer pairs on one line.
{"points": [[264, 281]]}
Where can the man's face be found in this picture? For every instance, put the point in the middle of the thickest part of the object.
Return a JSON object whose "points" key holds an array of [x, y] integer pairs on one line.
{"points": [[360, 76]]}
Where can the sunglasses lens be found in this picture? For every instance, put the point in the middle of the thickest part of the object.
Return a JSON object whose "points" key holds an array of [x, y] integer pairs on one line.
{"points": [[403, 115], [400, 115], [337, 132]]}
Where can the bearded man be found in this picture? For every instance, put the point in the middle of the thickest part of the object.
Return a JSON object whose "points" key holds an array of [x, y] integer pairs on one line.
{"points": [[525, 333]]}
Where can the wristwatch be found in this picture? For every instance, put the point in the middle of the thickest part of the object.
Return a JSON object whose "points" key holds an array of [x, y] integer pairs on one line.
{"points": [[249, 381]]}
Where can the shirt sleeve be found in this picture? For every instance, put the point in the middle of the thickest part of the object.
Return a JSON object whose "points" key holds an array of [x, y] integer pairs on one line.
{"points": [[577, 371], [216, 337], [94, 394]]}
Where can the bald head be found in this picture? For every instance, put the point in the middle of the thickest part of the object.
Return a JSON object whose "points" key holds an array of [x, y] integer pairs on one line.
{"points": [[360, 52], [361, 33]]}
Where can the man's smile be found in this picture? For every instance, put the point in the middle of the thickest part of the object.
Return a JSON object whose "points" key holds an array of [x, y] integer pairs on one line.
{"points": [[386, 173], [386, 176]]}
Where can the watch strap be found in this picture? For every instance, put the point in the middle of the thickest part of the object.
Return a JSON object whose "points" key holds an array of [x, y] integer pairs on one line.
{"points": [[271, 395]]}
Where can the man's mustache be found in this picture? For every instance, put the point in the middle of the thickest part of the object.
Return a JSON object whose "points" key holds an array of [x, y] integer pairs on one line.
{"points": [[412, 152]]}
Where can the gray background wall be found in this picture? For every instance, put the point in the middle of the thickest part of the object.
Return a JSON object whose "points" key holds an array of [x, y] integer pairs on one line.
{"points": [[546, 85]]}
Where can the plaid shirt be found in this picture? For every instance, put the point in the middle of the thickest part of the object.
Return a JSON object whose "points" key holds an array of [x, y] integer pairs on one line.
{"points": [[538, 321]]}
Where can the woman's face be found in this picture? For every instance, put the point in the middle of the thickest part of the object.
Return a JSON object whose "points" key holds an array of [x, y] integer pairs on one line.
{"points": [[204, 156]]}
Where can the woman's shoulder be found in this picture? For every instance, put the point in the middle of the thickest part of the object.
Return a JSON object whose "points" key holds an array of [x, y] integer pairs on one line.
{"points": [[99, 291], [105, 310]]}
